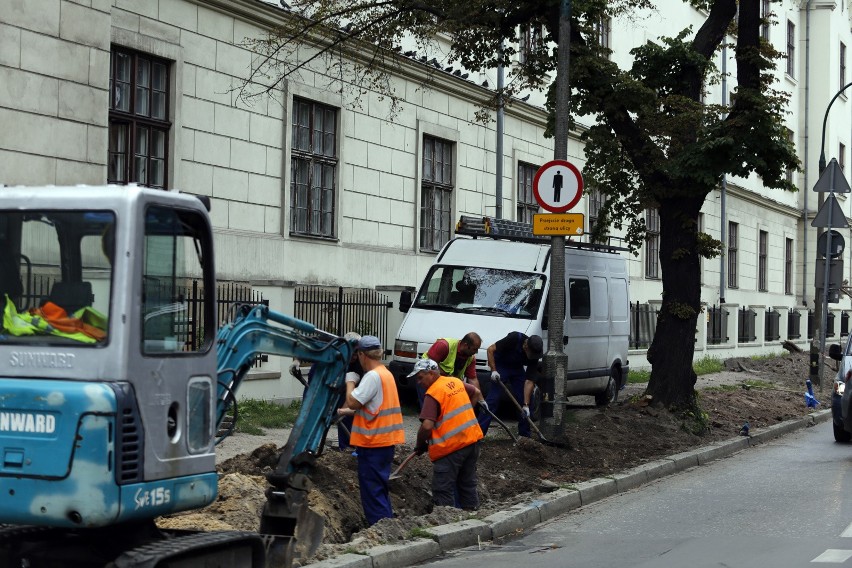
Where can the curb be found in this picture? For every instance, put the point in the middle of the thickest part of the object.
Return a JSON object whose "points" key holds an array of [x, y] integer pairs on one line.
{"points": [[523, 516]]}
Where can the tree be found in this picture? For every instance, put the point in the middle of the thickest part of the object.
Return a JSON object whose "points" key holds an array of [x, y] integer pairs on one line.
{"points": [[653, 143]]}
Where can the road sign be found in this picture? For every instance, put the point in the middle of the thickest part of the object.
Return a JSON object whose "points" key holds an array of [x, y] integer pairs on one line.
{"points": [[558, 186], [830, 206], [832, 179], [838, 243], [558, 223]]}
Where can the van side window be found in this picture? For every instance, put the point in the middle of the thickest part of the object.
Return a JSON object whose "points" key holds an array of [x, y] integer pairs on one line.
{"points": [[579, 298]]}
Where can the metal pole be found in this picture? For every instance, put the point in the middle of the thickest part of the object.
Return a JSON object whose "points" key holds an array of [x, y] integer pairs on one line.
{"points": [[826, 275], [555, 360], [498, 191]]}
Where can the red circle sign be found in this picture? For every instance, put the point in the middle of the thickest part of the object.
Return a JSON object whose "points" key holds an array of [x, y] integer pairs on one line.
{"points": [[558, 186]]}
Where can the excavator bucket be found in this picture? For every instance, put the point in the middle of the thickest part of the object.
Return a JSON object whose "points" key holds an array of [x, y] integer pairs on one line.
{"points": [[293, 530]]}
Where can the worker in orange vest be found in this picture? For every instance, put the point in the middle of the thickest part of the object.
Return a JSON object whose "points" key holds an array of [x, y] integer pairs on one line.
{"points": [[450, 432], [376, 428]]}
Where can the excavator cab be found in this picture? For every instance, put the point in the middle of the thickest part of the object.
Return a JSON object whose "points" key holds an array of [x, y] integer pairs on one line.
{"points": [[110, 404]]}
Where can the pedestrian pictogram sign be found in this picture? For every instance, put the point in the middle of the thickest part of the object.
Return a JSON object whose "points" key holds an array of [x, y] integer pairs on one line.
{"points": [[558, 186]]}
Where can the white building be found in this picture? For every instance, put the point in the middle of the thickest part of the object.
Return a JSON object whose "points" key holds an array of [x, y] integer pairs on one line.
{"points": [[145, 90]]}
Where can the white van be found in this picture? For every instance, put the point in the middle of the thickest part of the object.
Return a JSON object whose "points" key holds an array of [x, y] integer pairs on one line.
{"points": [[492, 284]]}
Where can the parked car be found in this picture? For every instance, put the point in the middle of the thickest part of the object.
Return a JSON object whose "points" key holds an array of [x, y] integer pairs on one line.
{"points": [[841, 417]]}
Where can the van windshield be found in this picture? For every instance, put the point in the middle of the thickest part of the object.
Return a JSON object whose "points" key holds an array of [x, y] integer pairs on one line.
{"points": [[482, 290]]}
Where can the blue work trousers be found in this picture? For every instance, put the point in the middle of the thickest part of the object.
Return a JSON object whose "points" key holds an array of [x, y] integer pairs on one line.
{"points": [[344, 428], [495, 393], [374, 469]]}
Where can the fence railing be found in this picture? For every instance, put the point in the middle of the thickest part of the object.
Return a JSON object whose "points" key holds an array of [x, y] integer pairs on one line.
{"points": [[717, 325], [772, 325], [643, 324], [746, 325], [794, 324], [339, 310]]}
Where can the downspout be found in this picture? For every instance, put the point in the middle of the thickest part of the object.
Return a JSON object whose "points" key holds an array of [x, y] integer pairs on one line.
{"points": [[806, 153], [498, 190], [723, 214]]}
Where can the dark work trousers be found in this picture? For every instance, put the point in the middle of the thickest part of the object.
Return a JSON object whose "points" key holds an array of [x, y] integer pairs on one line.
{"points": [[374, 468], [456, 474], [495, 391], [344, 427]]}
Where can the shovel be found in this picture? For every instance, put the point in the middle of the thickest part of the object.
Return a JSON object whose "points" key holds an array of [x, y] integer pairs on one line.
{"points": [[396, 472], [532, 424], [500, 422]]}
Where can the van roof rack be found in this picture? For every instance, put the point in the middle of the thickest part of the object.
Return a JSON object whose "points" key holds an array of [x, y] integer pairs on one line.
{"points": [[494, 228]]}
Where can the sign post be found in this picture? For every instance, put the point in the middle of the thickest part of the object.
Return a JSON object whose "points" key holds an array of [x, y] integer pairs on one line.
{"points": [[829, 215], [558, 187]]}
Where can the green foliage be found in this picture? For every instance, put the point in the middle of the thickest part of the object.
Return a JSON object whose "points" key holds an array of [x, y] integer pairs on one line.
{"points": [[681, 310], [638, 376], [695, 421], [255, 415], [707, 365], [419, 532], [707, 247]]}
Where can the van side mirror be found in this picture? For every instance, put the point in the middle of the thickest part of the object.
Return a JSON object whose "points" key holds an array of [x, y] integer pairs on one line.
{"points": [[835, 352], [545, 320], [405, 301]]}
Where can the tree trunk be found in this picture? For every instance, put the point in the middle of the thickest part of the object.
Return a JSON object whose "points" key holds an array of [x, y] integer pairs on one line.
{"points": [[672, 382]]}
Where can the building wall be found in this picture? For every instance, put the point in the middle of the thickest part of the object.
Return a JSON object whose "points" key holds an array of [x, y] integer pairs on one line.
{"points": [[54, 70]]}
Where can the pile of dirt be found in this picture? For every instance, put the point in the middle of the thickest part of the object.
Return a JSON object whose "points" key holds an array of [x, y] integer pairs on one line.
{"points": [[594, 442]]}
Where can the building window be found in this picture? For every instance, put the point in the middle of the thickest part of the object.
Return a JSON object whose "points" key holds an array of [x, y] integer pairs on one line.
{"points": [[791, 139], [791, 49], [604, 29], [527, 205], [842, 69], [788, 266], [841, 156], [596, 203], [762, 255], [652, 243], [138, 119], [765, 14], [436, 194], [313, 169], [531, 42], [733, 239]]}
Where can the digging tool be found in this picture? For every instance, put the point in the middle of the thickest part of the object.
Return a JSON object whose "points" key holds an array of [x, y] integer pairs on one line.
{"points": [[500, 422], [532, 424], [396, 473]]}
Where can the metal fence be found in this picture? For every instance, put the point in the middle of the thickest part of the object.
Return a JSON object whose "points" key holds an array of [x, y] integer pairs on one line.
{"points": [[794, 324], [643, 324], [746, 325], [772, 325], [717, 325], [339, 310]]}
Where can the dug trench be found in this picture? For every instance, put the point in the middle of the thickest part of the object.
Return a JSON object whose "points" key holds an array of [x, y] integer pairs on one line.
{"points": [[597, 442]]}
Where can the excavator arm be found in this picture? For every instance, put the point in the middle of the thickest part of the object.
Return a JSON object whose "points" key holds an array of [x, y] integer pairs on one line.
{"points": [[258, 330]]}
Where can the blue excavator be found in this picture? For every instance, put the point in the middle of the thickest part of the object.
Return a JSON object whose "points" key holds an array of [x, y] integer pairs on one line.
{"points": [[115, 384]]}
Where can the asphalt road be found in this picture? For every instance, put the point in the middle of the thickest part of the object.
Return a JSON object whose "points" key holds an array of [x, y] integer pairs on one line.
{"points": [[785, 504]]}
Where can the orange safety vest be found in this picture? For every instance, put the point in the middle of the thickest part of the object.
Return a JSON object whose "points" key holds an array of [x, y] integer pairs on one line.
{"points": [[384, 428], [456, 427]]}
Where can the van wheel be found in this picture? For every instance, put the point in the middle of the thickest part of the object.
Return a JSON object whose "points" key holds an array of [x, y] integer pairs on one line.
{"points": [[611, 392], [840, 433]]}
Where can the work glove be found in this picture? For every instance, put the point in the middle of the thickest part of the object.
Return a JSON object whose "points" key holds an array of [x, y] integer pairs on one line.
{"points": [[484, 405], [495, 376], [526, 410], [421, 449]]}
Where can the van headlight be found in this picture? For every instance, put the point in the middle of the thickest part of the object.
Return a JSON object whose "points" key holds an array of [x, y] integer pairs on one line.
{"points": [[406, 349]]}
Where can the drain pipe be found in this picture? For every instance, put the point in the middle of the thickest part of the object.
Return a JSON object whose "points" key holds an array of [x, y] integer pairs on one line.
{"points": [[498, 190], [805, 164], [723, 214]]}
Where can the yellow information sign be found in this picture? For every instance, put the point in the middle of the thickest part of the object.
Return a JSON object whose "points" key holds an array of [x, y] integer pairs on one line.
{"points": [[558, 224]]}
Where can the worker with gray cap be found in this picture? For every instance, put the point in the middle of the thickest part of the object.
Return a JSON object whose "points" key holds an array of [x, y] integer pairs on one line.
{"points": [[449, 431], [513, 360]]}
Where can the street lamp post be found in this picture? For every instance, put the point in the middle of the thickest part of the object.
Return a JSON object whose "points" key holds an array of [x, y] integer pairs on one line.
{"points": [[821, 303]]}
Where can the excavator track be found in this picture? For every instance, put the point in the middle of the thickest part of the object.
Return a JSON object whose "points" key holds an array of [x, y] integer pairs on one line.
{"points": [[44, 547]]}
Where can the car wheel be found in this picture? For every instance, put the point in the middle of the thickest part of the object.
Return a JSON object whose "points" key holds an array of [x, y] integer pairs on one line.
{"points": [[840, 434], [611, 392]]}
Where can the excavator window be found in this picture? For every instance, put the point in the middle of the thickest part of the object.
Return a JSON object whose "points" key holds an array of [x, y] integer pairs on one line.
{"points": [[174, 248], [55, 280]]}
